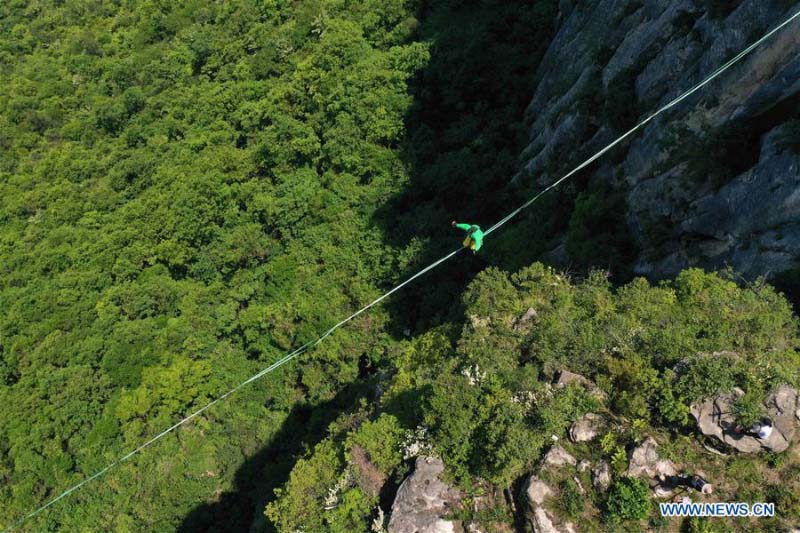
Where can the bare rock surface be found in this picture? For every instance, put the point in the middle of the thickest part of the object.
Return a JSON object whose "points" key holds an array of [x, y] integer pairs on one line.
{"points": [[748, 219], [543, 522], [645, 461], [568, 378], [557, 457], [424, 500], [537, 491], [586, 428], [601, 476], [565, 377], [715, 418], [524, 321]]}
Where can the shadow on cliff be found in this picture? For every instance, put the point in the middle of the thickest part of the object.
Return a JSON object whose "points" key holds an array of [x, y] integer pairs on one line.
{"points": [[256, 479], [465, 134]]}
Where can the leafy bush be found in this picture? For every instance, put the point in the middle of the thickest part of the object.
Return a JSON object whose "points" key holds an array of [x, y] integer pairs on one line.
{"points": [[628, 499], [300, 503], [788, 282], [598, 234], [480, 431], [748, 408], [571, 499], [381, 439]]}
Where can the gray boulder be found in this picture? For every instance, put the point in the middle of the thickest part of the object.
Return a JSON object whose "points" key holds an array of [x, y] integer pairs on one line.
{"points": [[782, 407], [543, 522], [601, 476], [537, 491], [568, 378], [586, 428], [645, 461], [715, 419], [558, 457], [523, 321], [424, 500]]}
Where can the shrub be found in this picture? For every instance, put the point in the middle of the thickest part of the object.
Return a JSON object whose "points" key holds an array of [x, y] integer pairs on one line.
{"points": [[748, 409], [571, 499], [598, 234], [628, 499], [705, 377], [381, 440], [788, 282]]}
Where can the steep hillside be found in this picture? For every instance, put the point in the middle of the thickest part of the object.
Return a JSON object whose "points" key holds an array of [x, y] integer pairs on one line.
{"points": [[713, 182], [555, 402]]}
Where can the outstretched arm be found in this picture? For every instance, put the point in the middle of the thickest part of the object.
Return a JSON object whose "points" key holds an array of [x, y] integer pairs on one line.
{"points": [[465, 227]]}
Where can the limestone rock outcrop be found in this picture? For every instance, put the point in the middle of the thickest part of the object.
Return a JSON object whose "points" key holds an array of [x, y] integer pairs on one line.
{"points": [[423, 501], [645, 461], [715, 418], [747, 217]]}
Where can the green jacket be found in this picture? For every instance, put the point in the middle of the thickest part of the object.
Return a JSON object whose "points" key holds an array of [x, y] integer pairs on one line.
{"points": [[474, 232]]}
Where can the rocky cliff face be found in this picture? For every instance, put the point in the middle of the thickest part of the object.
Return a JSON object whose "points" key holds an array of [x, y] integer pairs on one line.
{"points": [[713, 182]]}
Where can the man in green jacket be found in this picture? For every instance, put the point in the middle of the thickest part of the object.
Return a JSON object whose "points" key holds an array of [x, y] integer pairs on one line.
{"points": [[474, 239]]}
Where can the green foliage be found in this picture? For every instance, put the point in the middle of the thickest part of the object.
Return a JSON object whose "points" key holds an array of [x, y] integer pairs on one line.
{"points": [[706, 376], [480, 431], [748, 408], [785, 495], [597, 234], [301, 502], [619, 460], [381, 439], [628, 499], [352, 514], [672, 411], [192, 188], [484, 406], [788, 282], [566, 406], [189, 189], [570, 499], [701, 525]]}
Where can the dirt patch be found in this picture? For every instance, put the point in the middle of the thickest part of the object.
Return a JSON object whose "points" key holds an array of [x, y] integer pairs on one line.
{"points": [[369, 476]]}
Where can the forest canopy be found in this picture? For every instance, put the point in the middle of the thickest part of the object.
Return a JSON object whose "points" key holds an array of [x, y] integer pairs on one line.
{"points": [[187, 193]]}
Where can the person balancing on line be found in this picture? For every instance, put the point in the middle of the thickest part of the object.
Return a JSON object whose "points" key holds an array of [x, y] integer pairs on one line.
{"points": [[474, 239]]}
